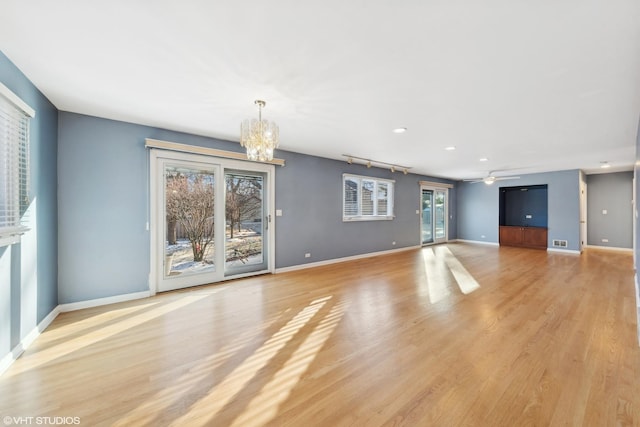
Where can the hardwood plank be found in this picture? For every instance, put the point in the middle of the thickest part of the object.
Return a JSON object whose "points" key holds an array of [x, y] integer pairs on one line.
{"points": [[525, 338]]}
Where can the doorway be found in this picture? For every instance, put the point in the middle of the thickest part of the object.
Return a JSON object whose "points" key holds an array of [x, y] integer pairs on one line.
{"points": [[433, 215], [210, 219]]}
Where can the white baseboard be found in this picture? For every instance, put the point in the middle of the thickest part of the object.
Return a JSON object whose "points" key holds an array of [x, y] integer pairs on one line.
{"points": [[28, 340], [478, 242], [610, 248], [337, 260], [563, 251], [73, 306]]}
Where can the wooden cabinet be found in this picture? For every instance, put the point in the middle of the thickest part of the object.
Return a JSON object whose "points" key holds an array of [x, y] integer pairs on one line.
{"points": [[529, 237]]}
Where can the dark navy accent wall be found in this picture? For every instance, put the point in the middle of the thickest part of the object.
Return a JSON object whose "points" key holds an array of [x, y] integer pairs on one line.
{"points": [[524, 206], [29, 270]]}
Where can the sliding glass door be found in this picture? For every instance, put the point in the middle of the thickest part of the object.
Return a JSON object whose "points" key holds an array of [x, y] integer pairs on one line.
{"points": [[433, 219], [209, 219]]}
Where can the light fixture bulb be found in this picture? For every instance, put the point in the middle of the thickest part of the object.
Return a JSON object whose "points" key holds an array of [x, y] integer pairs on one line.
{"points": [[350, 160], [393, 169], [405, 171], [368, 164]]}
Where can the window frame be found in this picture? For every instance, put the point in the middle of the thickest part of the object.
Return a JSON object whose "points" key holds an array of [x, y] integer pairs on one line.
{"points": [[17, 175], [375, 200]]}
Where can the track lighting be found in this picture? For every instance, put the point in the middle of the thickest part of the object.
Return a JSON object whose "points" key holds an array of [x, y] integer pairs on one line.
{"points": [[377, 163]]}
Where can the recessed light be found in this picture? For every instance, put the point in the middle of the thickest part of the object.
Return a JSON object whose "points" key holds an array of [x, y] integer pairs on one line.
{"points": [[399, 130], [483, 159], [450, 148], [605, 165]]}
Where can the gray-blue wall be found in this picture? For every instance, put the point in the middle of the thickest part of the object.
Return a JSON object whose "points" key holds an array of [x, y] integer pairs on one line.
{"points": [[478, 207], [29, 270], [103, 207], [309, 192], [612, 192]]}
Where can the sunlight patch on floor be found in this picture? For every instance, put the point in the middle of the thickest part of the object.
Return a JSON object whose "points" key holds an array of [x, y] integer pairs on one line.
{"points": [[436, 277], [144, 414], [264, 407], [465, 280], [221, 394], [96, 321], [439, 261], [67, 347]]}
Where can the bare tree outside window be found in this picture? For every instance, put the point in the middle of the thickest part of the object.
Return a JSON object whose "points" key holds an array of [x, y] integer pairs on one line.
{"points": [[190, 204], [244, 201]]}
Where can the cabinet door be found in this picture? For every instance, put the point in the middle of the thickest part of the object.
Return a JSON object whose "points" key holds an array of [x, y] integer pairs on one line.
{"points": [[534, 237], [511, 236]]}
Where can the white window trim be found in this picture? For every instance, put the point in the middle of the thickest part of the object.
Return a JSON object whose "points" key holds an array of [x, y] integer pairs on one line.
{"points": [[360, 217], [10, 236], [15, 100]]}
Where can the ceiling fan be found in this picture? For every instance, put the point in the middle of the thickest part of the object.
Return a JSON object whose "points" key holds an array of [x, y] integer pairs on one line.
{"points": [[490, 178]]}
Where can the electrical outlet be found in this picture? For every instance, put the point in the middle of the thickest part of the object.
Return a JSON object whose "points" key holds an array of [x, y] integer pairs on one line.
{"points": [[604, 211], [605, 240], [528, 216], [393, 243], [307, 255], [278, 212]]}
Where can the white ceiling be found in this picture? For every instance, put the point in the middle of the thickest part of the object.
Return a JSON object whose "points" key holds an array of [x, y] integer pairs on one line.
{"points": [[533, 86]]}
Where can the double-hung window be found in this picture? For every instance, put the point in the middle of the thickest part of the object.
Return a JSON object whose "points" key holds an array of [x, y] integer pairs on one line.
{"points": [[366, 198], [14, 164]]}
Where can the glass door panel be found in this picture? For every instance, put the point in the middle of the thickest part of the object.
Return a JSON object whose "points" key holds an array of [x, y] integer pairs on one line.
{"points": [[427, 216], [440, 215], [245, 225], [188, 214]]}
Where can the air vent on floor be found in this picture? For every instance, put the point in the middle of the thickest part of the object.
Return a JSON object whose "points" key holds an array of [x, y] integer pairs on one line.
{"points": [[559, 243]]}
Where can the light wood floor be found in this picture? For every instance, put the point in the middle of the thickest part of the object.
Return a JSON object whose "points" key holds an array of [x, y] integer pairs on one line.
{"points": [[544, 339]]}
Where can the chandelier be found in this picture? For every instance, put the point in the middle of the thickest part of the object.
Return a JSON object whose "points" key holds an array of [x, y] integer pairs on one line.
{"points": [[260, 137]]}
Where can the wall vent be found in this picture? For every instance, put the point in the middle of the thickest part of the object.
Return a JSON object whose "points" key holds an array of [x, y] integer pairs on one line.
{"points": [[559, 243]]}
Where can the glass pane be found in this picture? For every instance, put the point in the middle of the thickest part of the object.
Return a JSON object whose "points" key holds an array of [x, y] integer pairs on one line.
{"points": [[427, 215], [189, 202], [440, 215], [383, 198], [350, 197], [244, 226], [367, 197]]}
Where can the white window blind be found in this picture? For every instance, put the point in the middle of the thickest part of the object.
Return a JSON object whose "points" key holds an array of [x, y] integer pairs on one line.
{"points": [[14, 161], [365, 198]]}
